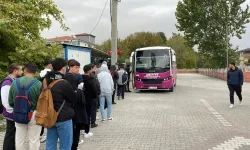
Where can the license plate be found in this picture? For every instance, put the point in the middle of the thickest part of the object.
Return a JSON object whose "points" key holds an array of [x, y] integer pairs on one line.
{"points": [[152, 88]]}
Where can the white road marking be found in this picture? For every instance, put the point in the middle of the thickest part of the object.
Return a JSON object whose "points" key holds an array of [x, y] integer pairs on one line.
{"points": [[232, 144], [216, 114]]}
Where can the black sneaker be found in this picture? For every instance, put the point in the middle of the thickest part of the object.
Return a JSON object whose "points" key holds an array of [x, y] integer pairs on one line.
{"points": [[113, 102], [94, 125]]}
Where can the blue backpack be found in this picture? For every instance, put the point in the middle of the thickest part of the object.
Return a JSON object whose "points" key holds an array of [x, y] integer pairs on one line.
{"points": [[22, 108]]}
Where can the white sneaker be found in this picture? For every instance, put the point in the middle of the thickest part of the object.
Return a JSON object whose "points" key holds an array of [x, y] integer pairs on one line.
{"points": [[109, 119], [97, 118], [240, 103], [80, 142], [231, 106], [42, 139], [88, 135]]}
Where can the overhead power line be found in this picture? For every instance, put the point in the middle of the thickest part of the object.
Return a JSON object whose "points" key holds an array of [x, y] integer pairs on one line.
{"points": [[99, 18]]}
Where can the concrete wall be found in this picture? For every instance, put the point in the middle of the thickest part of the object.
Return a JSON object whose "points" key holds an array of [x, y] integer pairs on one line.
{"points": [[216, 73]]}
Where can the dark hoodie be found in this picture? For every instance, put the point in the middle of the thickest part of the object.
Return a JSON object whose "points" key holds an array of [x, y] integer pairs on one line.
{"points": [[72, 80], [60, 92], [80, 116], [235, 77], [91, 91]]}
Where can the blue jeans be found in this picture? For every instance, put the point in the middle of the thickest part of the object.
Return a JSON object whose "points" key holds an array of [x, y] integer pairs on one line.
{"points": [[63, 131], [108, 97]]}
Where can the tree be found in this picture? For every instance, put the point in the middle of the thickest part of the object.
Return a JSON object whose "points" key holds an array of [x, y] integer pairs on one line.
{"points": [[163, 36], [134, 41], [185, 55], [209, 24], [142, 39], [106, 45], [21, 23]]}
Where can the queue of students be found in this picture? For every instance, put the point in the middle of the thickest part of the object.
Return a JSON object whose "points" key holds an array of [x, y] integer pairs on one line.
{"points": [[75, 97]]}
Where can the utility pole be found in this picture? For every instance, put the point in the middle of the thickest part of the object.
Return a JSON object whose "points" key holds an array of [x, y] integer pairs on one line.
{"points": [[227, 26], [114, 32], [227, 44]]}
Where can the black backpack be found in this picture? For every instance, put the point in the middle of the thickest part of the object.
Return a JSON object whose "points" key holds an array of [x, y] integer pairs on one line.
{"points": [[1, 104]]}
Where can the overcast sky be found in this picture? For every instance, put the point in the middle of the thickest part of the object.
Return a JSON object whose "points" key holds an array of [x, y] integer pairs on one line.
{"points": [[133, 16]]}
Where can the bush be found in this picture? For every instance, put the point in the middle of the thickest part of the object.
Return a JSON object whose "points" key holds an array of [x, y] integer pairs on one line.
{"points": [[1, 117], [2, 128]]}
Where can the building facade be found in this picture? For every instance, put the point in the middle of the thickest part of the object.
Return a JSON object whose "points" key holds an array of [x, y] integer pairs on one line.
{"points": [[84, 40], [244, 57]]}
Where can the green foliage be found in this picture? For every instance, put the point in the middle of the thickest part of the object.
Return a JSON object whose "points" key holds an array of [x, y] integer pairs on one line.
{"points": [[248, 62], [134, 41], [1, 117], [141, 39], [163, 36], [21, 23], [208, 23], [185, 55], [2, 128], [41, 51], [106, 45]]}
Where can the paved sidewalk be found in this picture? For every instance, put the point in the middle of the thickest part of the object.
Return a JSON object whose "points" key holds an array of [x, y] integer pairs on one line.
{"points": [[196, 116]]}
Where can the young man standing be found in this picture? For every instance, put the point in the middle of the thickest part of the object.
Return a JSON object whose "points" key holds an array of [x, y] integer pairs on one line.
{"points": [[91, 93], [115, 77], [107, 88], [15, 71], [80, 116], [95, 101], [121, 82], [63, 97], [31, 129], [235, 81], [128, 69]]}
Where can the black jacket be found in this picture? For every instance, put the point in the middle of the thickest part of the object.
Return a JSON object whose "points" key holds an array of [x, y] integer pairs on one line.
{"points": [[80, 116], [60, 92], [115, 77], [98, 87], [91, 91], [72, 80]]}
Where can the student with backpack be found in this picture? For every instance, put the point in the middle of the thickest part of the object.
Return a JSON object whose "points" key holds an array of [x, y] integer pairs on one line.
{"points": [[123, 78], [63, 97], [23, 97], [47, 68], [15, 71]]}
